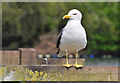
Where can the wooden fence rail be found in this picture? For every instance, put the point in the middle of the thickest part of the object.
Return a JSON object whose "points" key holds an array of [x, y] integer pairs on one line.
{"points": [[22, 56], [28, 56], [10, 57]]}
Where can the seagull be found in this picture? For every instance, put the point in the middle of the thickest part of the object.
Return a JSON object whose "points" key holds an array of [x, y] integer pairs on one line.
{"points": [[72, 37]]}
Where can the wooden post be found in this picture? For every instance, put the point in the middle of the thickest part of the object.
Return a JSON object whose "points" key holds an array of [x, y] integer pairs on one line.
{"points": [[28, 56]]}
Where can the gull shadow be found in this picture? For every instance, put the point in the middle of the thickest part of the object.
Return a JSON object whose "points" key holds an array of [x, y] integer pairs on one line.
{"points": [[77, 68], [67, 67]]}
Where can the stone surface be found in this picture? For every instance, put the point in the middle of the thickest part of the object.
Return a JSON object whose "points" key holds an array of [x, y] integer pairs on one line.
{"points": [[87, 73], [60, 73]]}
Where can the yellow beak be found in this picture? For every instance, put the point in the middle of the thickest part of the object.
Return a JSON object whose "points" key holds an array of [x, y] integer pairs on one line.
{"points": [[66, 16]]}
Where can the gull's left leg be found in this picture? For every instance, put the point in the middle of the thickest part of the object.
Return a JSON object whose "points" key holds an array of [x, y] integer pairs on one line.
{"points": [[67, 65], [76, 65]]}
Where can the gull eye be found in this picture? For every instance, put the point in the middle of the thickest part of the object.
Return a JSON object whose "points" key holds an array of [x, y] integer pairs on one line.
{"points": [[74, 14]]}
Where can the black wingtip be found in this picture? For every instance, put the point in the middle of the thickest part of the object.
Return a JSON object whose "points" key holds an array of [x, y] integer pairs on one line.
{"points": [[58, 40], [58, 51]]}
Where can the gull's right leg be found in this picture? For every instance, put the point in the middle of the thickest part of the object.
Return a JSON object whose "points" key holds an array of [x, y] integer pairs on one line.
{"points": [[67, 65]]}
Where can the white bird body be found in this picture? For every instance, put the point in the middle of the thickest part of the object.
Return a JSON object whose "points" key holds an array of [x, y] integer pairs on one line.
{"points": [[73, 36]]}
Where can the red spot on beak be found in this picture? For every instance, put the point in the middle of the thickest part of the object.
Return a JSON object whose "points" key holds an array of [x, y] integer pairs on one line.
{"points": [[65, 17]]}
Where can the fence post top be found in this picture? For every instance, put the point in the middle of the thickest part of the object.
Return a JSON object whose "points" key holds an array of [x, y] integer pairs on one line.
{"points": [[27, 49]]}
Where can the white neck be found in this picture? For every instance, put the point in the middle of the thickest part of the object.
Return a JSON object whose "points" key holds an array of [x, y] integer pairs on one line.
{"points": [[75, 20]]}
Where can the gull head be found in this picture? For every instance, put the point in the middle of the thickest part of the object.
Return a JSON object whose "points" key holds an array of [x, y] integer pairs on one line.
{"points": [[73, 14]]}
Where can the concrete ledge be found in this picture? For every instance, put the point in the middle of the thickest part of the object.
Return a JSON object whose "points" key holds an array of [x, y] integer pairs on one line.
{"points": [[87, 73], [84, 69]]}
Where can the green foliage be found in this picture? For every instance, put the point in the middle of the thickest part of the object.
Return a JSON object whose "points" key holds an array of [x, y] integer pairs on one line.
{"points": [[24, 22]]}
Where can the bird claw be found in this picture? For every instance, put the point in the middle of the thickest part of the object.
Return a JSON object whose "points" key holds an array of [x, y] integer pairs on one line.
{"points": [[77, 66], [67, 65]]}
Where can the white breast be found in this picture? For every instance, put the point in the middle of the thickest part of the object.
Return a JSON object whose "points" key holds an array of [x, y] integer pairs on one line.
{"points": [[74, 37]]}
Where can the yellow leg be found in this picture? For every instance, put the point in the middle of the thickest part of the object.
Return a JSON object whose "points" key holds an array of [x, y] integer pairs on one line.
{"points": [[67, 65], [76, 65]]}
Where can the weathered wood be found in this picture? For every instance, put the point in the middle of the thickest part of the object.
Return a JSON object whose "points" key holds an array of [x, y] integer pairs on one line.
{"points": [[28, 56], [10, 57], [58, 61]]}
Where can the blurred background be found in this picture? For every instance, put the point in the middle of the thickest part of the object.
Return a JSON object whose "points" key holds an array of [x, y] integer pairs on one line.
{"points": [[37, 25]]}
